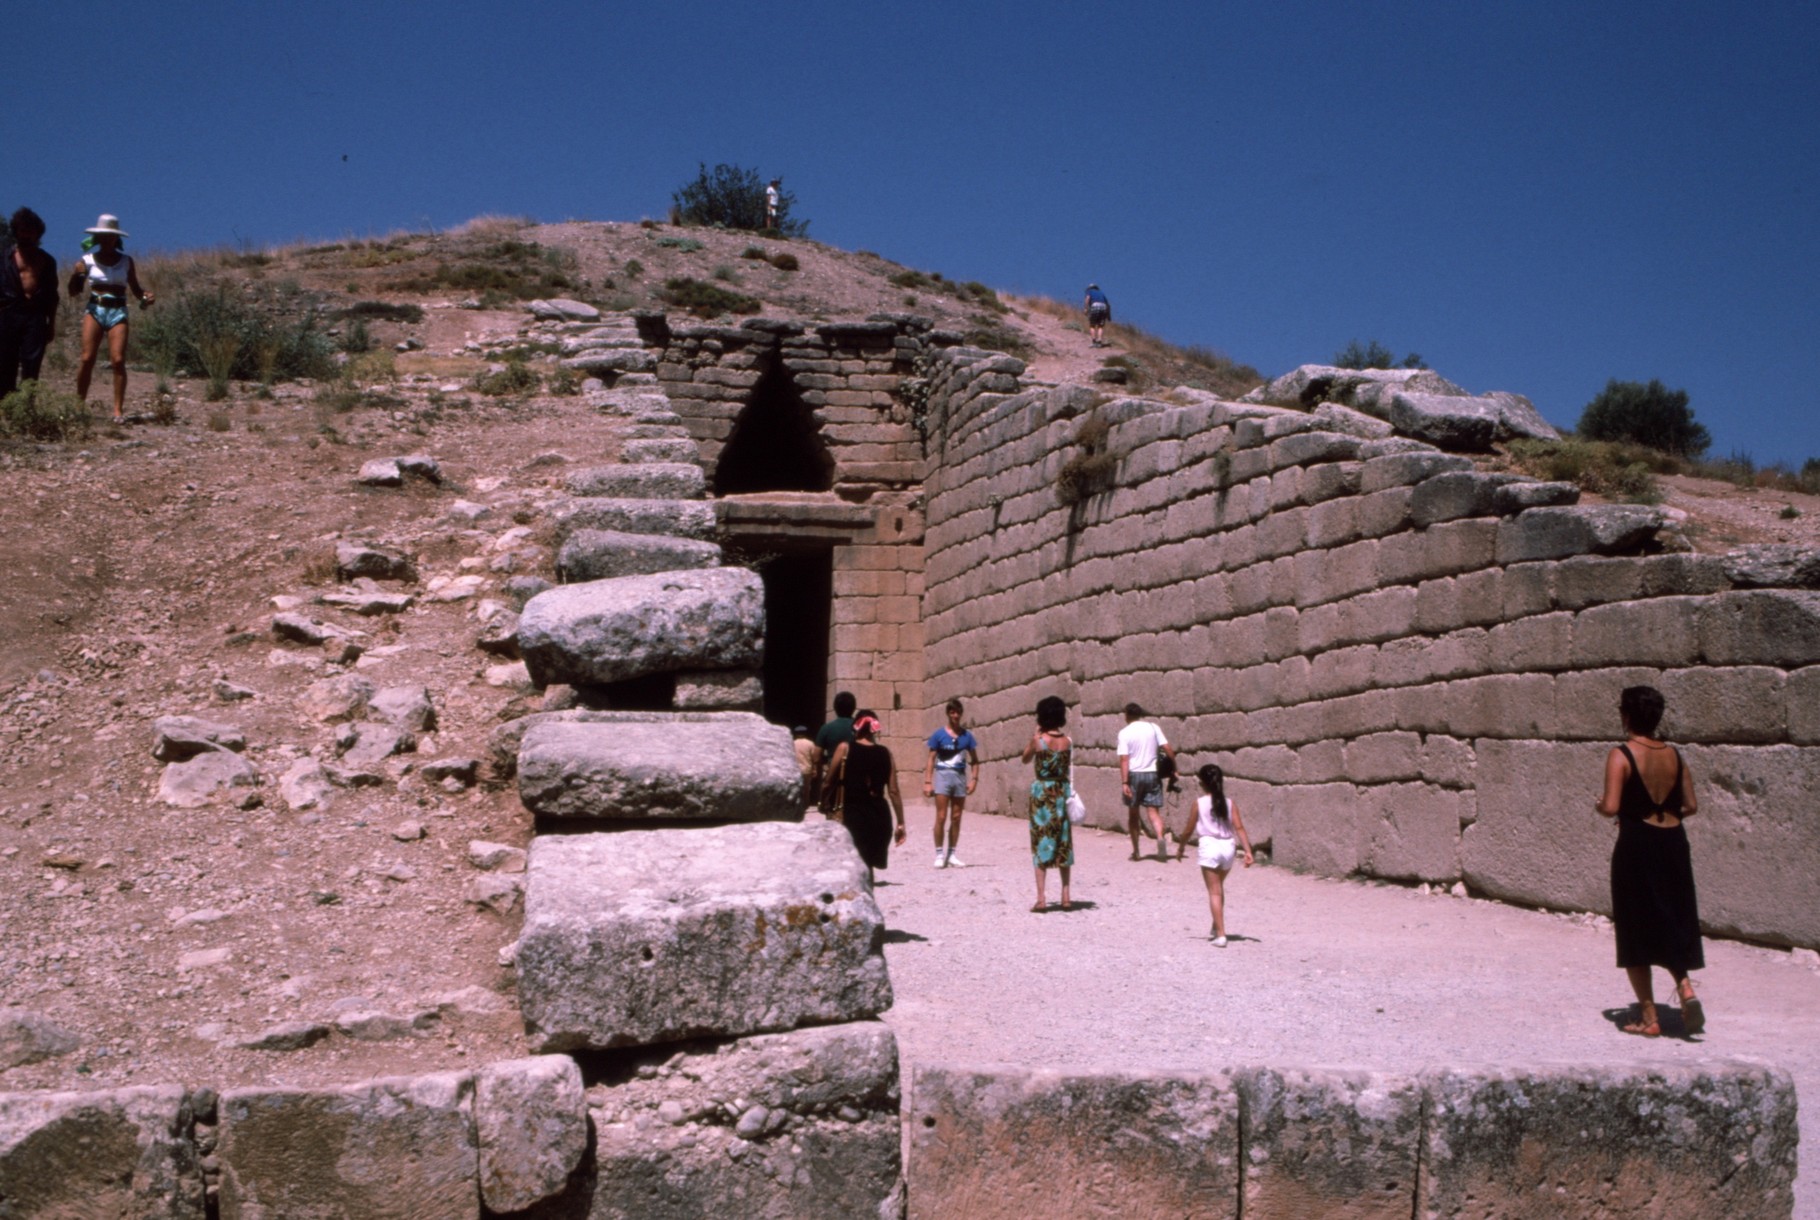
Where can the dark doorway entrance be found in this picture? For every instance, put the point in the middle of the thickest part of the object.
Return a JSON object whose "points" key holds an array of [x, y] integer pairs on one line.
{"points": [[799, 601], [775, 445]]}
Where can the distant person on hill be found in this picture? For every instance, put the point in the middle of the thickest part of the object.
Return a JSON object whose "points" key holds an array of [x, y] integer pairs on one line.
{"points": [[868, 781], [773, 196], [28, 301], [804, 746], [1219, 831], [828, 739], [950, 777], [1140, 745], [1654, 910], [1051, 833], [107, 274], [1099, 312]]}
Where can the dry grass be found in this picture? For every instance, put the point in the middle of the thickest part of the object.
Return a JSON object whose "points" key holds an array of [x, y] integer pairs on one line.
{"points": [[491, 225], [1157, 360]]}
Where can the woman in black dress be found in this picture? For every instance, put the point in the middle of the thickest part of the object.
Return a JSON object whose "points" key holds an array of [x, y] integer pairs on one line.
{"points": [[1650, 791], [863, 770]]}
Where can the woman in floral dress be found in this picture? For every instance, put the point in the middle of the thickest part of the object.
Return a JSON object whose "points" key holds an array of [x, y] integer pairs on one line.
{"points": [[1051, 836]]}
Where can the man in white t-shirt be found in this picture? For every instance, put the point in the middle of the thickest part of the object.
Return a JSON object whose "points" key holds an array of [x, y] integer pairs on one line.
{"points": [[1139, 744]]}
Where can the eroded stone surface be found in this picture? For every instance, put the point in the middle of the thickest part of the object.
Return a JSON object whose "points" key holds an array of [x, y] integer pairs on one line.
{"points": [[599, 554], [532, 1124], [631, 626], [125, 1152], [1338, 1145]]}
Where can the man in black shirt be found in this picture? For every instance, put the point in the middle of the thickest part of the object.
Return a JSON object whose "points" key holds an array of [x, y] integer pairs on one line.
{"points": [[28, 301]]}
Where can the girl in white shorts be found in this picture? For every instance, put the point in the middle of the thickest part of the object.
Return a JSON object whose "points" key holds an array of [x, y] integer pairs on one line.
{"points": [[1220, 832]]}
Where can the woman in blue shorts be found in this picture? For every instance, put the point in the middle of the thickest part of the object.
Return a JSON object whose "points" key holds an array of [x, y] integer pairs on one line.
{"points": [[107, 274]]}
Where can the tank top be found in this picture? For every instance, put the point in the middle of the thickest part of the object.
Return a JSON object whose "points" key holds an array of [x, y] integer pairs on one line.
{"points": [[1634, 800], [107, 281], [1209, 825]]}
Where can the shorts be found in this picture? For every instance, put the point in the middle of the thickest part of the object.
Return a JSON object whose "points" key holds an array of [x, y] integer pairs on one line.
{"points": [[949, 782], [109, 316], [1217, 854], [1097, 315], [1145, 790]]}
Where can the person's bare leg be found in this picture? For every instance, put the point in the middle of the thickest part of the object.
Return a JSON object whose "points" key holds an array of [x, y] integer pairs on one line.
{"points": [[1216, 898], [1065, 871], [1131, 824], [116, 354], [1154, 816], [91, 349], [1042, 875], [957, 805], [941, 821], [1645, 988]]}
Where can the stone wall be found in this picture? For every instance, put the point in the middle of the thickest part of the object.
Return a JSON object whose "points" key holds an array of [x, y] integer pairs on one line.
{"points": [[1409, 669]]}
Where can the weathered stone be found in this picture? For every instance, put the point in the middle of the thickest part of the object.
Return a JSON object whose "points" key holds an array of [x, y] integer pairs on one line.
{"points": [[1455, 494], [381, 472], [202, 779], [1316, 828], [1401, 469], [1337, 1145], [305, 785], [400, 1148], [1512, 498], [1457, 424], [301, 629], [31, 1037], [779, 1126], [1774, 565], [123, 1152], [353, 560], [1580, 529], [1412, 832], [372, 744], [561, 309], [673, 934], [421, 466], [612, 360], [683, 518], [342, 697], [661, 450], [504, 741], [1015, 1142], [1760, 627], [405, 707], [1617, 1142], [495, 857], [717, 689], [176, 738], [610, 630], [531, 1121], [463, 771], [286, 1036], [1333, 417], [370, 602], [736, 768], [497, 894], [639, 481], [599, 554], [1366, 389]]}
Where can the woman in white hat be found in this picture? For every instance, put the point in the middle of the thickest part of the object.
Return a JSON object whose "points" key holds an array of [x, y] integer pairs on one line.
{"points": [[107, 274]]}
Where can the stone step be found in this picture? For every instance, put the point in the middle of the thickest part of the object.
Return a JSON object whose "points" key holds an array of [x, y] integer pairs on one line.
{"points": [[657, 936], [631, 626], [681, 518], [644, 481], [602, 554]]}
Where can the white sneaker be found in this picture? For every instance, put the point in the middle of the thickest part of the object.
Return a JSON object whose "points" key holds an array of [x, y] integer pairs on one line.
{"points": [[955, 861], [1219, 942], [941, 859]]}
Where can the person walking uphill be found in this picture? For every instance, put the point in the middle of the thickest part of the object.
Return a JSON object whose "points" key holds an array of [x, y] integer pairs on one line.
{"points": [[1099, 312], [950, 777], [1654, 910], [1140, 743], [107, 273], [28, 301]]}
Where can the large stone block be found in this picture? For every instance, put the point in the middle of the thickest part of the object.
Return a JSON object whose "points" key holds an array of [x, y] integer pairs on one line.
{"points": [[1329, 1144], [684, 518], [1580, 529], [400, 1148], [1729, 704], [1023, 1143], [531, 1121], [1316, 828], [664, 935], [124, 1152], [1412, 832], [1804, 706], [639, 481], [1755, 848], [1761, 627], [631, 626], [775, 1127], [600, 554], [1661, 631], [1608, 1142], [1535, 838], [1455, 494], [736, 767]]}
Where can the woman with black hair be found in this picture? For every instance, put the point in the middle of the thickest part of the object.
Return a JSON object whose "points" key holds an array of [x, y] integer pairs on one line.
{"points": [[1051, 834], [1220, 832], [863, 771], [1650, 791]]}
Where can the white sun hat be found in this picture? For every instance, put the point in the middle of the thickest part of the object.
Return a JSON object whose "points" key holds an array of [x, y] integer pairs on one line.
{"points": [[108, 223]]}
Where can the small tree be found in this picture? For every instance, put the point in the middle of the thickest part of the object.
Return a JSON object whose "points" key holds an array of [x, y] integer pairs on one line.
{"points": [[1651, 415], [1374, 355], [733, 197]]}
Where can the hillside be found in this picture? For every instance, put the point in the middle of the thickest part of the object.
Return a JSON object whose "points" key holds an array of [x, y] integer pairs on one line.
{"points": [[146, 564]]}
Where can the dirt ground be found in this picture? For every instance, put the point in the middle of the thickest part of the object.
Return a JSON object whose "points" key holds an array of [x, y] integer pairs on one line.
{"points": [[1316, 973]]}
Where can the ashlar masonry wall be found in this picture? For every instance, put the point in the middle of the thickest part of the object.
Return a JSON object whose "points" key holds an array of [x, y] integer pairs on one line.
{"points": [[1410, 669]]}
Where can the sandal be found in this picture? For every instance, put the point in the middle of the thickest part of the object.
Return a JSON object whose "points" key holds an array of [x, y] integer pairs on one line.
{"points": [[1644, 1027], [1693, 1015], [1039, 908]]}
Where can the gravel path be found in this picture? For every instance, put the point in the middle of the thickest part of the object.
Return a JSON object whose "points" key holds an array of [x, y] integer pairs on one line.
{"points": [[1319, 972]]}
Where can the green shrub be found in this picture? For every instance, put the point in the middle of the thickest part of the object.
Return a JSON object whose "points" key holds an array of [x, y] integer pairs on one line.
{"points": [[634, 268], [726, 274], [564, 382], [688, 245], [783, 260], [1374, 355], [733, 197], [36, 412], [705, 300], [279, 339], [756, 253], [501, 272], [515, 378], [1091, 468], [996, 338], [218, 352], [1651, 414], [382, 311], [357, 338], [219, 422], [1617, 471]]}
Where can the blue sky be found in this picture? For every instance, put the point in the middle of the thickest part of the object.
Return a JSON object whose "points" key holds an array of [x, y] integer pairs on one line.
{"points": [[1535, 196]]}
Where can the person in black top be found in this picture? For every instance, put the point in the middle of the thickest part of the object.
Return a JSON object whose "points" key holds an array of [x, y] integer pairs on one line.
{"points": [[827, 739], [28, 301], [863, 770], [1650, 791]]}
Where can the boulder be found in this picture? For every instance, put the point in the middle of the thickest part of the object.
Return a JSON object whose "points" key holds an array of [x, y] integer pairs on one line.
{"points": [[1456, 424], [1517, 416], [421, 466], [600, 554], [1338, 1145], [735, 768], [664, 935], [1580, 529], [561, 309], [495, 857], [31, 1037], [1611, 1142], [122, 1152], [645, 481], [342, 697], [380, 472], [1454, 494], [399, 1148], [531, 1122], [1332, 417], [499, 895], [1369, 390], [405, 707], [301, 629], [785, 1126], [463, 771], [1774, 565], [372, 744], [204, 778], [631, 626], [1013, 1142], [727, 688], [175, 738], [684, 518], [305, 785], [353, 560]]}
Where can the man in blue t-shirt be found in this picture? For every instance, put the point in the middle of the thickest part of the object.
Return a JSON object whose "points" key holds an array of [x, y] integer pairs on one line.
{"points": [[950, 777], [1099, 312]]}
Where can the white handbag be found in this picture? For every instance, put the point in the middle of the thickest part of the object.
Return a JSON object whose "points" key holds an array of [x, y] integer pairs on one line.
{"points": [[1077, 808]]}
